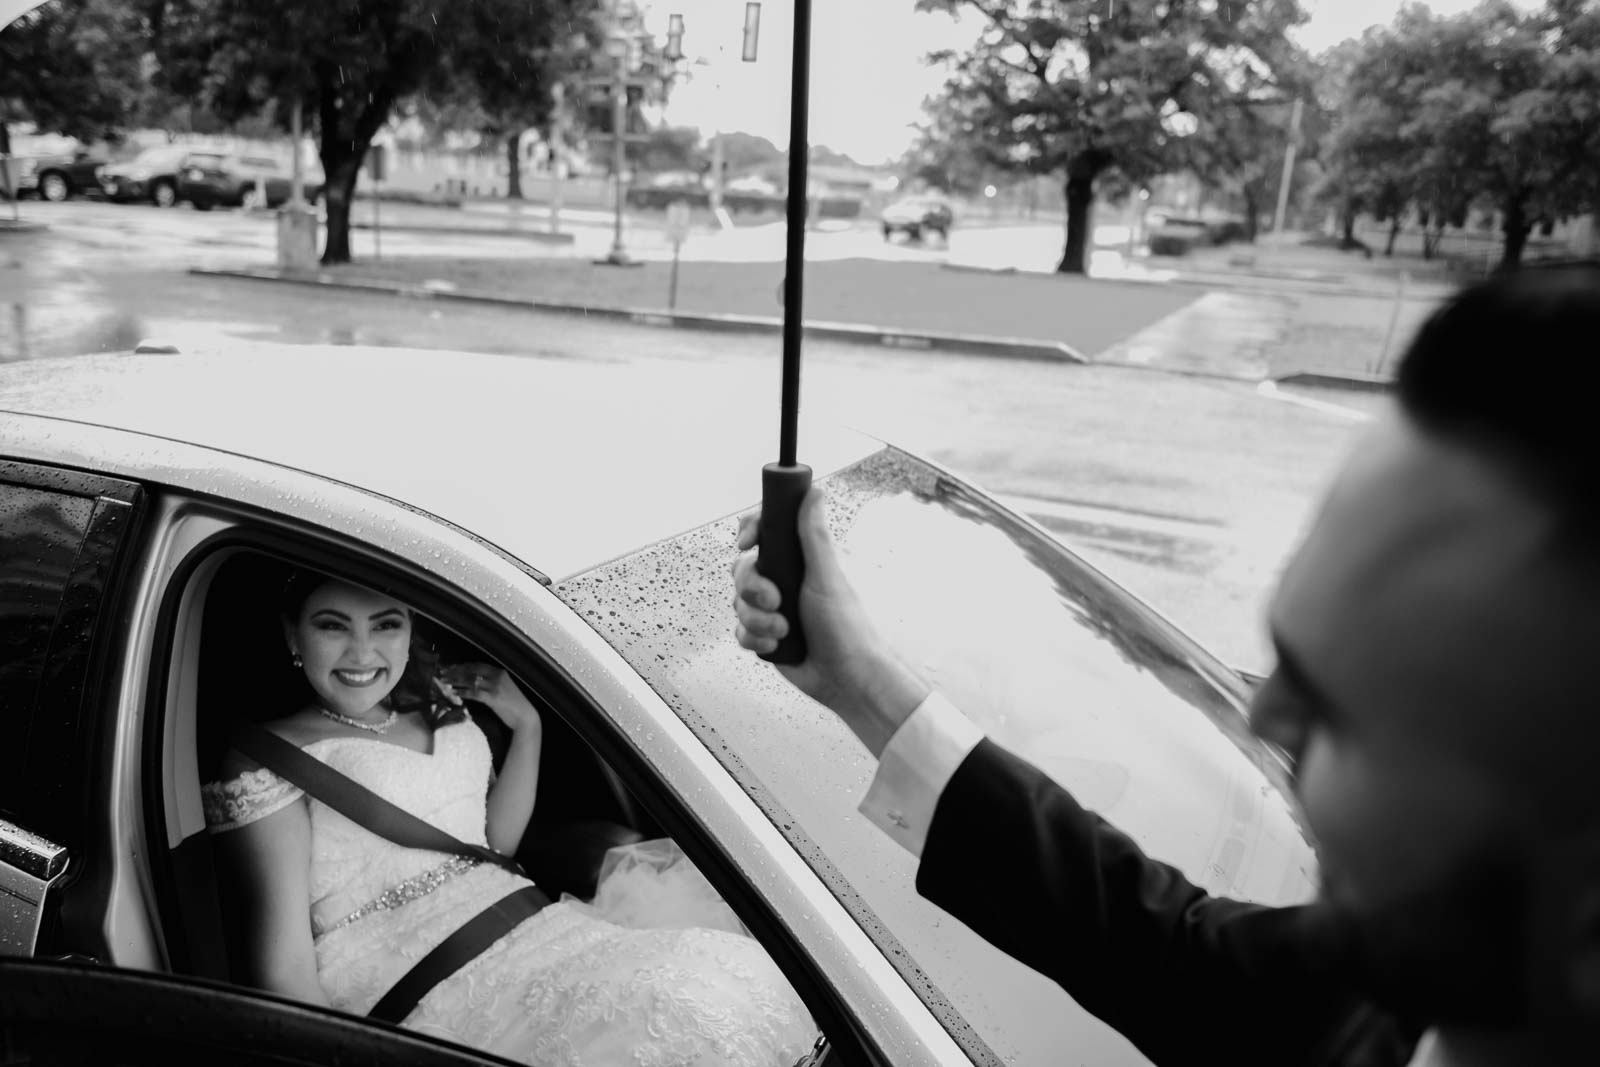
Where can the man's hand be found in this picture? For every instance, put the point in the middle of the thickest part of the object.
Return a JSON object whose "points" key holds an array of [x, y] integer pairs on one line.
{"points": [[848, 667]]}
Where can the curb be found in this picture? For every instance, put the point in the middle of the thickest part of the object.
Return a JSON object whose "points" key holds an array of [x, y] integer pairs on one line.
{"points": [[1356, 383], [538, 237], [21, 226], [886, 337], [1221, 279]]}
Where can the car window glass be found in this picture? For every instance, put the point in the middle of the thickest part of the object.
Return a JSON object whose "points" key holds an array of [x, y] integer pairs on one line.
{"points": [[1044, 655], [40, 534]]}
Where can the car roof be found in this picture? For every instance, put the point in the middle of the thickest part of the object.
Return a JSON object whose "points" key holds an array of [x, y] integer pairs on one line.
{"points": [[563, 463]]}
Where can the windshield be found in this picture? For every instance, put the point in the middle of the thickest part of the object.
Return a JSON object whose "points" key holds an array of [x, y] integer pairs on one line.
{"points": [[1042, 653]]}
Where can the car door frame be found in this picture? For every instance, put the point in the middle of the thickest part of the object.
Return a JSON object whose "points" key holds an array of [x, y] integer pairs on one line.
{"points": [[857, 996]]}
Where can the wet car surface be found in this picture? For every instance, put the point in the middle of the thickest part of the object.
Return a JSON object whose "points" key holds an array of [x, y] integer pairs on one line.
{"points": [[143, 511]]}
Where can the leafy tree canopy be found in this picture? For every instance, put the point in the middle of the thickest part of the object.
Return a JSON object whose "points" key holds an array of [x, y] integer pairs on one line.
{"points": [[350, 62], [1079, 87]]}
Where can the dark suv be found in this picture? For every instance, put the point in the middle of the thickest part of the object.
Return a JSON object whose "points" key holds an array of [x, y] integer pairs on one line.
{"points": [[59, 177], [917, 216]]}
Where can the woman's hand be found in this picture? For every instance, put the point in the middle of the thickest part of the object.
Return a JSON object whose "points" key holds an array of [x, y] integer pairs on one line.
{"points": [[492, 687]]}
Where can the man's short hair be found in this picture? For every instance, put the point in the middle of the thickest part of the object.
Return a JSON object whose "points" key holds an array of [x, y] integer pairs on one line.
{"points": [[1502, 365]]}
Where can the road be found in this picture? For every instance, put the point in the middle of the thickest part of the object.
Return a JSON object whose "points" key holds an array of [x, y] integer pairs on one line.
{"points": [[1189, 491]]}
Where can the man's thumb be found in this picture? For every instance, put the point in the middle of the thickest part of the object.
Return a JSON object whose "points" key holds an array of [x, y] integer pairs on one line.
{"points": [[816, 541]]}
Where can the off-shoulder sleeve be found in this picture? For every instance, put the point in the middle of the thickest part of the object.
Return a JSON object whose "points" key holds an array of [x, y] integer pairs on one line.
{"points": [[253, 795]]}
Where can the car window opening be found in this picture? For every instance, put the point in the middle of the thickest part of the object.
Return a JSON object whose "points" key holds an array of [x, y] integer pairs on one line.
{"points": [[245, 674]]}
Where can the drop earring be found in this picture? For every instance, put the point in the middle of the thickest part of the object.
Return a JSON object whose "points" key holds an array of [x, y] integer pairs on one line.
{"points": [[295, 659]]}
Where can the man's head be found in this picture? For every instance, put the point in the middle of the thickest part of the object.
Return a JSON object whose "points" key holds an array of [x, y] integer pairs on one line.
{"points": [[1436, 631]]}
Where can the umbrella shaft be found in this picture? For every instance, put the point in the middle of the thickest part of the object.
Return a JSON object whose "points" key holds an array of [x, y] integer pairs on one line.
{"points": [[795, 250]]}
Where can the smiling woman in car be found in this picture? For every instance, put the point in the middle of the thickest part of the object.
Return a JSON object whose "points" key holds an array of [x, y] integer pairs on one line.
{"points": [[547, 983]]}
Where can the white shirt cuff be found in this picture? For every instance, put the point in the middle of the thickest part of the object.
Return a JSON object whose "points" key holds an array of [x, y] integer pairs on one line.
{"points": [[916, 765]]}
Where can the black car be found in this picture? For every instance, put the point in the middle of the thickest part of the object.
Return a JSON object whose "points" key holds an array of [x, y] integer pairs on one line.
{"points": [[220, 179], [916, 217], [151, 175]]}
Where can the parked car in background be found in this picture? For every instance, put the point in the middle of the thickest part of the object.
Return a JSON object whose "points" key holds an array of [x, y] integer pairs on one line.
{"points": [[916, 217], [1175, 235], [60, 176], [151, 175], [222, 179]]}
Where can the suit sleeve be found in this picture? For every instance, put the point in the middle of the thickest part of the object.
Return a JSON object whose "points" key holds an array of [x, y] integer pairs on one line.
{"points": [[1188, 978]]}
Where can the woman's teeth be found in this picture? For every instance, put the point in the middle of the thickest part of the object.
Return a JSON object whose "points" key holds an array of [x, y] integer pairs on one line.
{"points": [[358, 677]]}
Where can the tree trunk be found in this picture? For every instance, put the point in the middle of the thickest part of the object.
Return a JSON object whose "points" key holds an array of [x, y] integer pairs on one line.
{"points": [[345, 132], [1080, 202], [1252, 215], [1516, 226], [514, 165], [339, 190], [1394, 234], [1349, 240]]}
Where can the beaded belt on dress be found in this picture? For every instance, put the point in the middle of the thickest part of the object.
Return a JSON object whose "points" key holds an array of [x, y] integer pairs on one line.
{"points": [[414, 888]]}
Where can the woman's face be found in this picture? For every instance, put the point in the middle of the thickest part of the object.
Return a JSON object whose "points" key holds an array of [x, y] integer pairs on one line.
{"points": [[355, 644]]}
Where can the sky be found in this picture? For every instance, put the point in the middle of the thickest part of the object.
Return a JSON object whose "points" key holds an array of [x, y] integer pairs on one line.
{"points": [[868, 75]]}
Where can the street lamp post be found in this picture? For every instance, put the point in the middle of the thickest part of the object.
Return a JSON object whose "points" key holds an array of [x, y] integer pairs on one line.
{"points": [[1288, 167], [618, 256]]}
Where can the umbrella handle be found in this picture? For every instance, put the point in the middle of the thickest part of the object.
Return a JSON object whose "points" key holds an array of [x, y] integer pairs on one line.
{"points": [[778, 558]]}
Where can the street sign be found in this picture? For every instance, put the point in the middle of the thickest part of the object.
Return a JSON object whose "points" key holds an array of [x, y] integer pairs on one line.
{"points": [[678, 221]]}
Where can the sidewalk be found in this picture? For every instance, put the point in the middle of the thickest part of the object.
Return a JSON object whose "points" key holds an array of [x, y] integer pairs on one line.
{"points": [[1290, 263]]}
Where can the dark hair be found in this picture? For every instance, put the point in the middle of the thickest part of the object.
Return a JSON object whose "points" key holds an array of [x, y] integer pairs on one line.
{"points": [[1500, 365], [415, 690]]}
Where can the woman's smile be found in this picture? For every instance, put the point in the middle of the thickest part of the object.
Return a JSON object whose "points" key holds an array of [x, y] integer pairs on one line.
{"points": [[359, 679]]}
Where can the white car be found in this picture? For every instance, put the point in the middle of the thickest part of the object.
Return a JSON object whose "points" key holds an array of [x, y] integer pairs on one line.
{"points": [[562, 520]]}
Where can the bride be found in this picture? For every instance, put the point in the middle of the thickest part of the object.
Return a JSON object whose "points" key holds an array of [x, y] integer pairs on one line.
{"points": [[337, 914]]}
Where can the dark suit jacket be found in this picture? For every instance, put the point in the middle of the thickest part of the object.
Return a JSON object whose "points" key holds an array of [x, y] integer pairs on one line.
{"points": [[1188, 978]]}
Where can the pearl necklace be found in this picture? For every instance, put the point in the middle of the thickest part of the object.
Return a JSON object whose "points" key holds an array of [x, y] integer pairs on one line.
{"points": [[370, 727]]}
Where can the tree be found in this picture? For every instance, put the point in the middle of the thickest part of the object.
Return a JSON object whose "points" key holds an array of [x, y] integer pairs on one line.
{"points": [[947, 155], [1495, 105], [73, 67], [745, 151], [1075, 88], [351, 62], [671, 148]]}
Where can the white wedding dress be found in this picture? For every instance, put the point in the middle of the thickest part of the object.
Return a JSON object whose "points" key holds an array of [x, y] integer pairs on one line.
{"points": [[656, 972]]}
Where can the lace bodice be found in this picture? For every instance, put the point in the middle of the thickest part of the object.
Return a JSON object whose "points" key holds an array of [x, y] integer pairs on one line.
{"points": [[351, 866]]}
